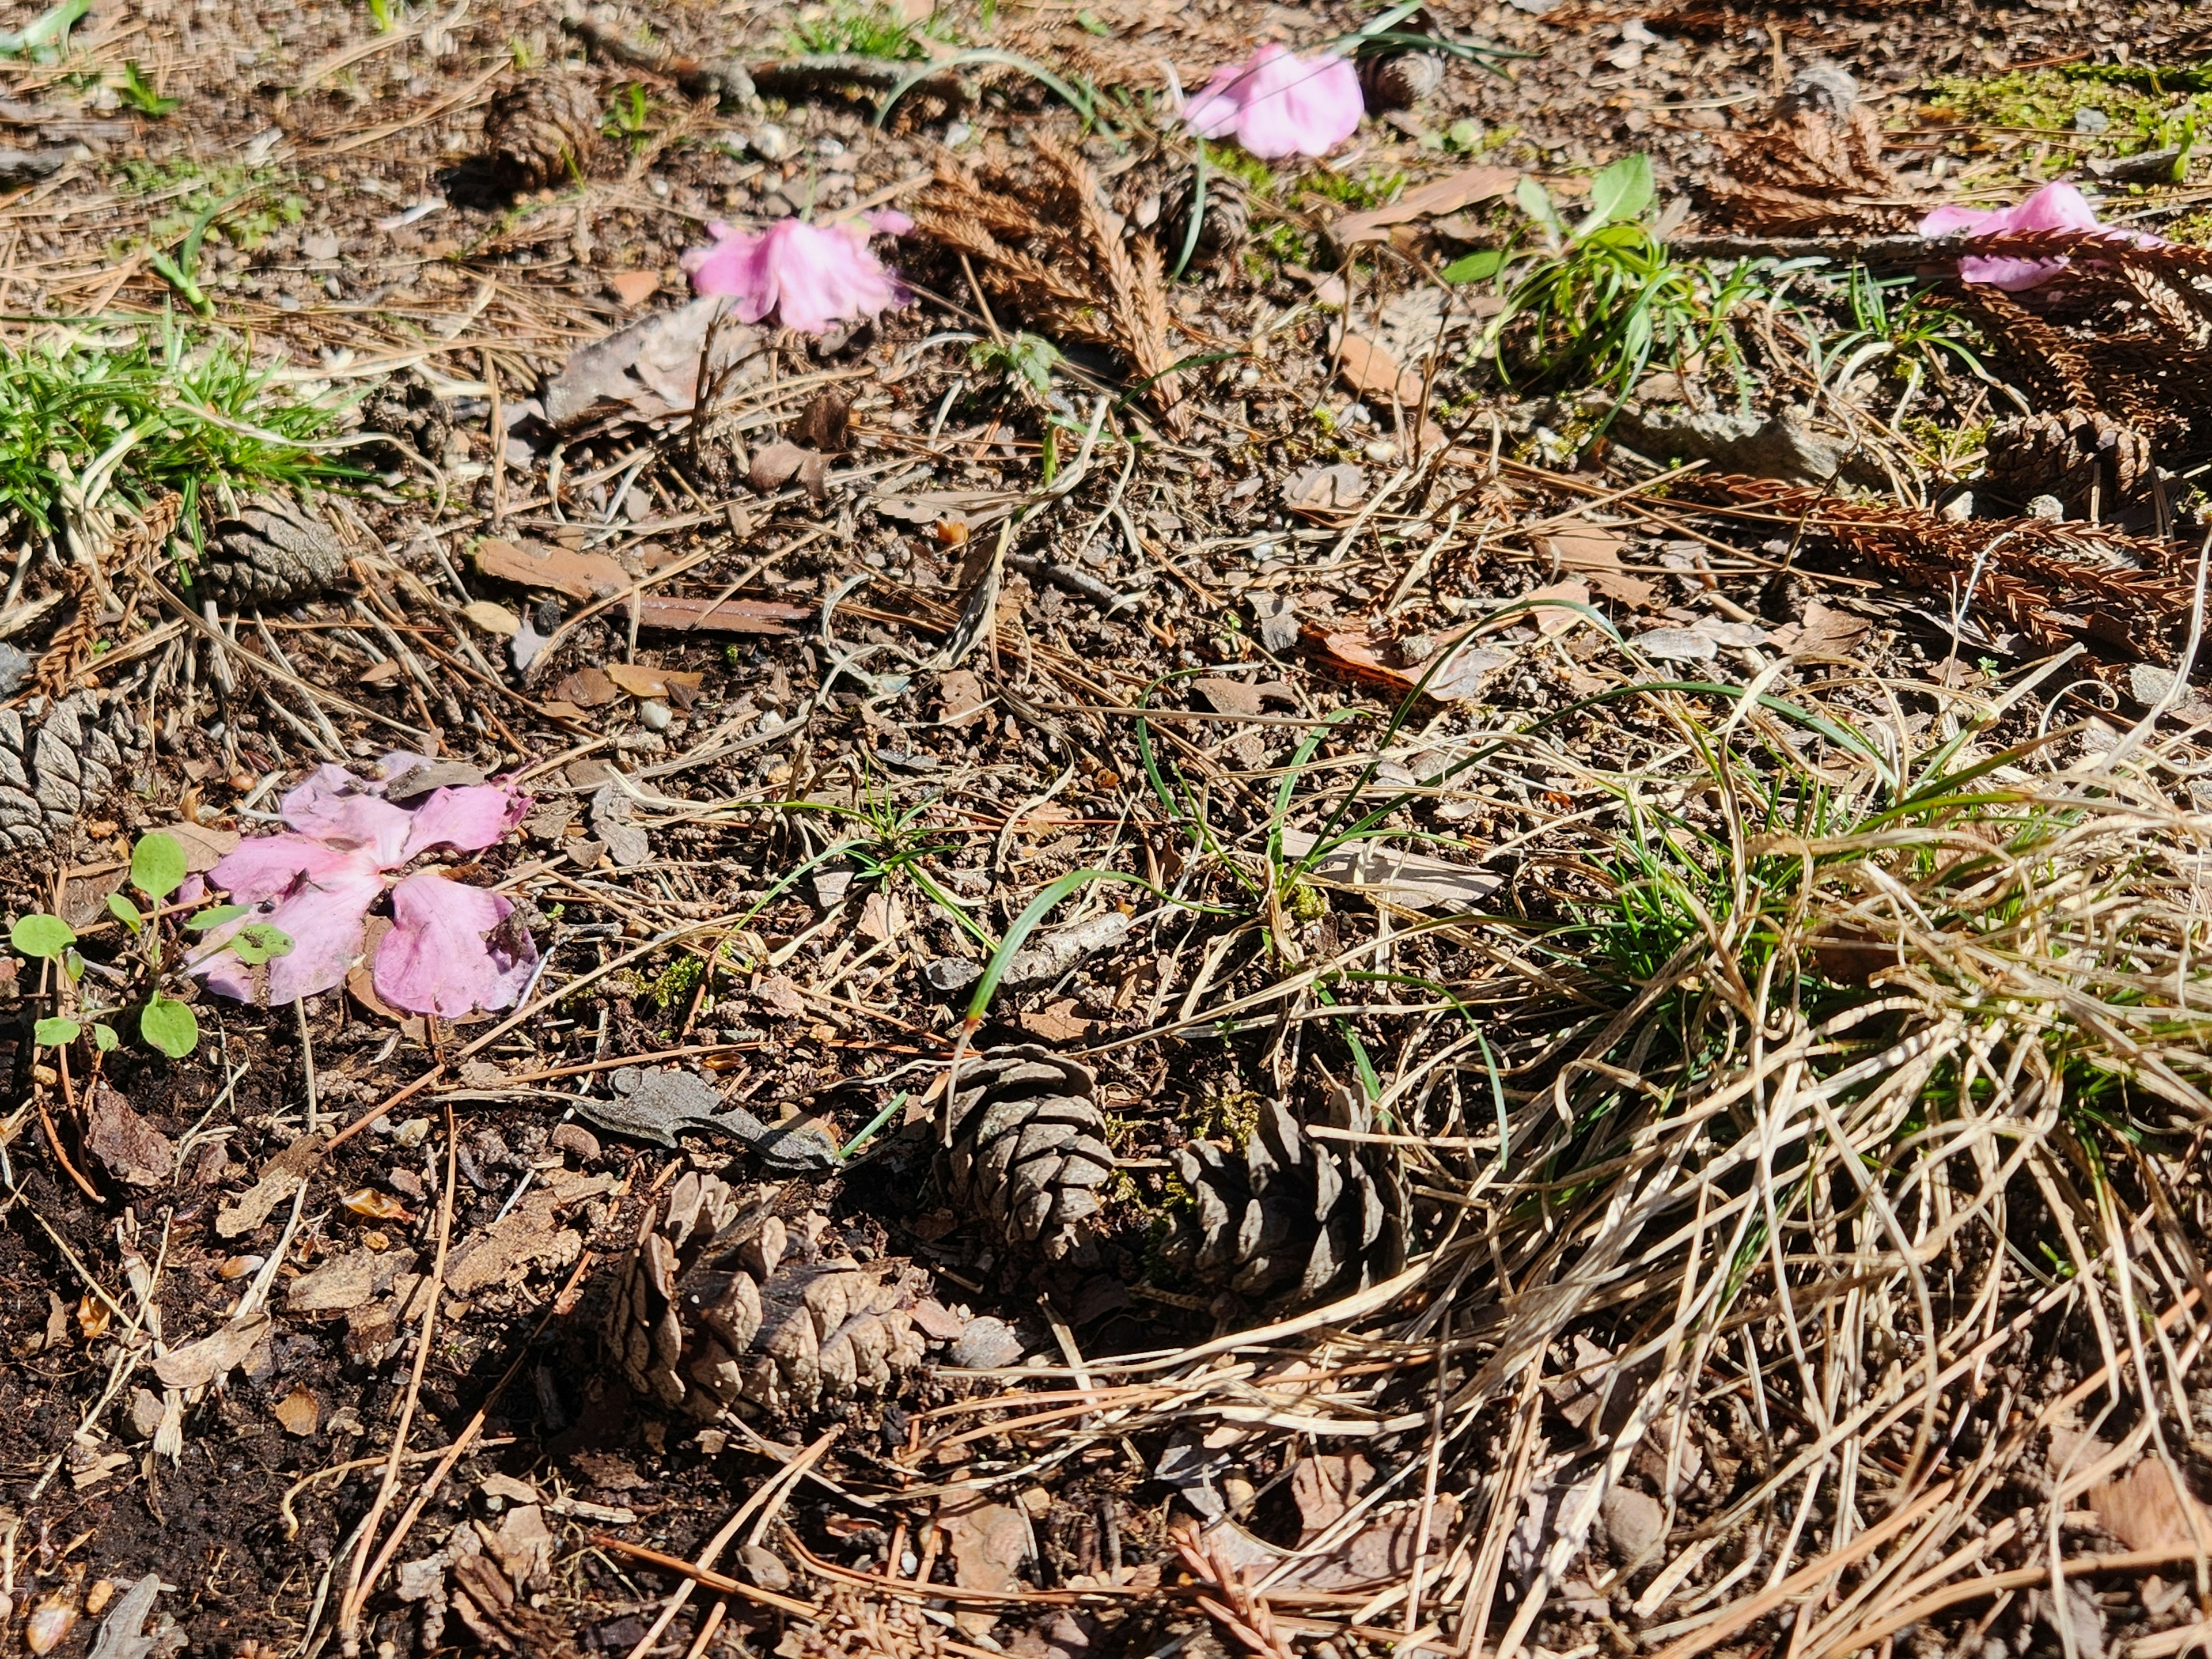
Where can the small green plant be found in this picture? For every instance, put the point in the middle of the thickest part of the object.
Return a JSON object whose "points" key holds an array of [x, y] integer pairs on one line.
{"points": [[629, 118], [181, 270], [1377, 187], [383, 15], [856, 31], [165, 1024], [141, 95], [1026, 361], [142, 412], [1605, 297]]}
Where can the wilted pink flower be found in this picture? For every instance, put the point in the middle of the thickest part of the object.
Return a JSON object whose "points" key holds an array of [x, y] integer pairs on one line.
{"points": [[2055, 207], [1276, 103], [449, 951], [810, 275]]}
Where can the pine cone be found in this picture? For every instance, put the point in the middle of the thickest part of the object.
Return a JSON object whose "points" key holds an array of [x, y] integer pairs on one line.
{"points": [[2064, 452], [1225, 222], [543, 131], [1295, 1218], [60, 760], [1401, 80], [720, 1303], [263, 556], [1029, 1148]]}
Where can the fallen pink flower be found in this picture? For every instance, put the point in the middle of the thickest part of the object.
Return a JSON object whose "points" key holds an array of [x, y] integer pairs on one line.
{"points": [[811, 277], [1276, 103], [451, 948], [2055, 207]]}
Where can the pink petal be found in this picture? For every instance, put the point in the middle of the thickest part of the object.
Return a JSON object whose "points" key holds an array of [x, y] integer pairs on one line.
{"points": [[2055, 207], [335, 806], [437, 959], [1277, 103], [321, 912], [811, 277], [469, 819], [260, 871]]}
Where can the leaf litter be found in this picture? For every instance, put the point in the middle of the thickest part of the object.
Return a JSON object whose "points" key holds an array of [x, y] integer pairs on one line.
{"points": [[1425, 876]]}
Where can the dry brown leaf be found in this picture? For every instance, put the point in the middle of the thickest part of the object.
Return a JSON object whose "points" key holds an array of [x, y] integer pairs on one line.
{"points": [[130, 1148], [777, 464], [1825, 630], [780, 996], [1449, 194], [198, 1364], [2143, 1510], [1325, 489], [988, 1542], [1552, 607], [883, 916], [203, 848], [495, 620], [589, 688], [1228, 696], [1057, 1023], [641, 680], [1372, 372], [560, 569], [1324, 1485], [960, 698], [730, 617], [299, 1412], [1595, 552]]}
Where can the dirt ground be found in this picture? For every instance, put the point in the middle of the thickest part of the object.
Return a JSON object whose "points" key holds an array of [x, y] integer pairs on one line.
{"points": [[1292, 553]]}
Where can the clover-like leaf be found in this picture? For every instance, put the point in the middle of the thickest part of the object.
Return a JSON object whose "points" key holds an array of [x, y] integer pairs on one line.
{"points": [[124, 912], [158, 865], [41, 935], [53, 1031], [170, 1026], [257, 941], [103, 1036]]}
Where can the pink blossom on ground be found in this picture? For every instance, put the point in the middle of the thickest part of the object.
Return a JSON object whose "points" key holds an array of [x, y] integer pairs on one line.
{"points": [[1276, 103], [468, 819], [811, 276], [316, 882], [444, 953], [2055, 207]]}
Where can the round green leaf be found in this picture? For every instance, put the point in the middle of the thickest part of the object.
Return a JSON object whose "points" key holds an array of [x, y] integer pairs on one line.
{"points": [[41, 935], [157, 865], [215, 918], [124, 912], [103, 1037], [257, 941], [170, 1026], [52, 1033]]}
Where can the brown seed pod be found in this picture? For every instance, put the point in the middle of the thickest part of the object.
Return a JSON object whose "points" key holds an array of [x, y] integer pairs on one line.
{"points": [[1029, 1148], [1293, 1218], [543, 131], [722, 1302], [58, 760], [264, 557], [1401, 80]]}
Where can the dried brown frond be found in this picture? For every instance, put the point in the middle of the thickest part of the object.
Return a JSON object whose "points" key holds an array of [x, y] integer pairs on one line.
{"points": [[1241, 1617], [1815, 169], [2054, 580], [1049, 247], [124, 563]]}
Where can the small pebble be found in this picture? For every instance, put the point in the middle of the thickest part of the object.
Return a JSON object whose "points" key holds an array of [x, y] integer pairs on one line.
{"points": [[986, 1344], [771, 143], [2047, 506], [238, 1267], [653, 715], [1959, 507], [763, 1568], [575, 1138], [1382, 451], [413, 1132], [2091, 120]]}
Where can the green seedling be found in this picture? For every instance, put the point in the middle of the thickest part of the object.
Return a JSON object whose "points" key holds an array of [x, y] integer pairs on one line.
{"points": [[141, 95], [181, 270], [629, 118], [165, 1024]]}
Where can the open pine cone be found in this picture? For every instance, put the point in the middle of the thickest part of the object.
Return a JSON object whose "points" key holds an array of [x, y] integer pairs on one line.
{"points": [[1295, 1218], [59, 760], [264, 557], [1029, 1147], [1225, 217], [1400, 80], [721, 1305], [543, 131]]}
